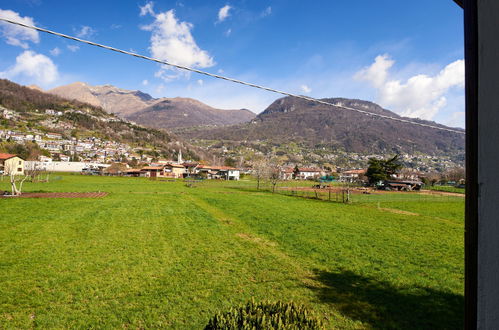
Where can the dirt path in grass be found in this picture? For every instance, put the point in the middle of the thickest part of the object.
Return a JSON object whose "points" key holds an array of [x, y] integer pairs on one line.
{"points": [[60, 195], [396, 211]]}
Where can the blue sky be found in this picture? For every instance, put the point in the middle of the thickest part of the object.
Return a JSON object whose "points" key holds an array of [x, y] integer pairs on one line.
{"points": [[405, 55]]}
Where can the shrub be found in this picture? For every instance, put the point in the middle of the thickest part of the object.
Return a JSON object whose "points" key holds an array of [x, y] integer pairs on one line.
{"points": [[265, 315]]}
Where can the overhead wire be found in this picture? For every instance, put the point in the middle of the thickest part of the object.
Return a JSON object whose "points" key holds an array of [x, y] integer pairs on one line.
{"points": [[182, 67]]}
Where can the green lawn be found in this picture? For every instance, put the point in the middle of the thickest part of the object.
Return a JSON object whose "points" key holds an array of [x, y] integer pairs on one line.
{"points": [[159, 254]]}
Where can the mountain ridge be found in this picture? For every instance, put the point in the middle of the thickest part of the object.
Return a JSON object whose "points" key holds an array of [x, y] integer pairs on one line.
{"points": [[136, 105], [311, 124], [33, 110], [287, 119], [178, 112]]}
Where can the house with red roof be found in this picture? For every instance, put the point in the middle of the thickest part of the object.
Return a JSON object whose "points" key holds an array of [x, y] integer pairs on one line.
{"points": [[11, 164], [169, 170]]}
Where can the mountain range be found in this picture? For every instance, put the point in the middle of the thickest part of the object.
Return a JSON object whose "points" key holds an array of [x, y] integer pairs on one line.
{"points": [[144, 109], [307, 123], [315, 125], [80, 119]]}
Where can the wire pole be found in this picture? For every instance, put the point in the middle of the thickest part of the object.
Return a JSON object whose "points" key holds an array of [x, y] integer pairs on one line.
{"points": [[230, 79]]}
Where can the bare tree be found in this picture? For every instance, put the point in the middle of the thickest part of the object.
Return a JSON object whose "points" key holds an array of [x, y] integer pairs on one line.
{"points": [[259, 170], [433, 177], [16, 179], [33, 170], [273, 172], [456, 174], [30, 172]]}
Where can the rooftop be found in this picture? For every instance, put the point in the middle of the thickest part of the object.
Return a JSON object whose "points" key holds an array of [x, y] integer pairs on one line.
{"points": [[7, 156]]}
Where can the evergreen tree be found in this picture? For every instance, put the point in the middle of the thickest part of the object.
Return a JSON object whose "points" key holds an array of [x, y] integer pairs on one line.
{"points": [[382, 169]]}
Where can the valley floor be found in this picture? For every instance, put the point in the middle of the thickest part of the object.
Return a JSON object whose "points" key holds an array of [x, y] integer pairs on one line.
{"points": [[162, 254]]}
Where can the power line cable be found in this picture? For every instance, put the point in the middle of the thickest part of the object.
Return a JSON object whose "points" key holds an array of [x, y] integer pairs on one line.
{"points": [[230, 79]]}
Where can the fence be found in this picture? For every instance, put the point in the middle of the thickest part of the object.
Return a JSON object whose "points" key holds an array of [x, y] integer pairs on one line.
{"points": [[345, 193]]}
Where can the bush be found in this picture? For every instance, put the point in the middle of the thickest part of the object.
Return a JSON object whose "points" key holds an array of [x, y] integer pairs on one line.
{"points": [[265, 315]]}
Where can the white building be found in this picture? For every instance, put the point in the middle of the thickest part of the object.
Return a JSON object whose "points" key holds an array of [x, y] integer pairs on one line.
{"points": [[75, 167]]}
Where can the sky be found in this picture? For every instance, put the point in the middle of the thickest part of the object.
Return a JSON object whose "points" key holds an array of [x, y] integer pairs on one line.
{"points": [[406, 56]]}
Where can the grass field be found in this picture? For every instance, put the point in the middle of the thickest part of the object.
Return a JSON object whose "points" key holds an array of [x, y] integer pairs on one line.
{"points": [[448, 189], [159, 254]]}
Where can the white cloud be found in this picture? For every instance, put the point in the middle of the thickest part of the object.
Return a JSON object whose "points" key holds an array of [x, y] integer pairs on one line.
{"points": [[73, 48], [37, 67], [145, 82], [172, 41], [266, 12], [147, 9], [55, 52], [228, 32], [116, 26], [420, 96], [85, 32], [16, 35], [377, 73], [305, 89], [200, 82], [223, 13]]}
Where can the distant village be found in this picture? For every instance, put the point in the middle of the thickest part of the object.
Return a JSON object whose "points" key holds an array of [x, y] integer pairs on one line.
{"points": [[99, 157], [11, 164], [95, 156]]}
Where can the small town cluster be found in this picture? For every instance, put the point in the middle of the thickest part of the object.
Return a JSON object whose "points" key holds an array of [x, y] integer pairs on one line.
{"points": [[66, 148], [15, 165], [96, 156]]}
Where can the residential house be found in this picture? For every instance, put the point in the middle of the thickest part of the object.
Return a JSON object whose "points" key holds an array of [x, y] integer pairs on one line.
{"points": [[305, 173], [352, 175], [11, 164], [233, 173], [44, 159], [174, 170], [287, 173], [227, 172], [55, 136], [190, 168], [53, 112], [219, 172], [8, 114], [408, 174], [207, 171], [152, 171]]}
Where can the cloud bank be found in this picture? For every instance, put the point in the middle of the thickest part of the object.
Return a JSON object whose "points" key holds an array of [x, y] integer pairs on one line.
{"points": [[420, 96], [37, 67]]}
